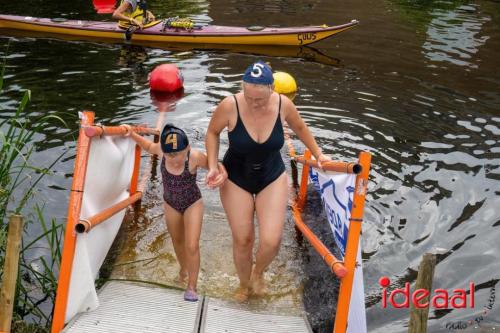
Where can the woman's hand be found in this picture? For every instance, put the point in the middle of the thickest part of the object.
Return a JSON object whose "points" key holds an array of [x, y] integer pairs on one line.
{"points": [[322, 158], [222, 175], [219, 178]]}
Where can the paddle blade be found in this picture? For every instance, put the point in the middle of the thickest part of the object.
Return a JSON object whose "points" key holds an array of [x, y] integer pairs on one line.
{"points": [[104, 6]]}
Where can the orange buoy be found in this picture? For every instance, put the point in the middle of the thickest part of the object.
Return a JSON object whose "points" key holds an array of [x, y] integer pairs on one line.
{"points": [[166, 78]]}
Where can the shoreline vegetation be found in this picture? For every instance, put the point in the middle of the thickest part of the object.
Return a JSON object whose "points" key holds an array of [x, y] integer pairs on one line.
{"points": [[37, 279]]}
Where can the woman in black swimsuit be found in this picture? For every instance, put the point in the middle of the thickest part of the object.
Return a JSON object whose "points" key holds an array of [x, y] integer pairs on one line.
{"points": [[257, 181]]}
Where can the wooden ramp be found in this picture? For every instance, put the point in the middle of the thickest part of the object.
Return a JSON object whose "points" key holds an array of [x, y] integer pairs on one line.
{"points": [[137, 308]]}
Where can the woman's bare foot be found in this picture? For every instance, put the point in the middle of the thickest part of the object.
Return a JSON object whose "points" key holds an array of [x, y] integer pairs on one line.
{"points": [[258, 284], [241, 294]]}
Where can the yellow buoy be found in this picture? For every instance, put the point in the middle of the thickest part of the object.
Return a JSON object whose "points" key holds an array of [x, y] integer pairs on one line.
{"points": [[284, 83]]}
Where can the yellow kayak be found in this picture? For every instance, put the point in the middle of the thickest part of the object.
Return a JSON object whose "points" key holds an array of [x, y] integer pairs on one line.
{"points": [[161, 33]]}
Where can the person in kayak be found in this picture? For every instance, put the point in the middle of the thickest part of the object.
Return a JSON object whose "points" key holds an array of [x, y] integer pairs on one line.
{"points": [[257, 182], [133, 12], [182, 198]]}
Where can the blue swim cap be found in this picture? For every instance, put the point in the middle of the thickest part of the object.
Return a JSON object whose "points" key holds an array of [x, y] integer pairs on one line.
{"points": [[259, 73], [173, 139]]}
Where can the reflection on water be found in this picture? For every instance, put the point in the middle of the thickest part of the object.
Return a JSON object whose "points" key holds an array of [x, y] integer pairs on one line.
{"points": [[131, 51], [434, 134], [453, 35], [271, 6]]}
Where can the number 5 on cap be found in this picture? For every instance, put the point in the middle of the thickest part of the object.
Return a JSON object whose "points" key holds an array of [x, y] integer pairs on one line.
{"points": [[257, 70], [172, 138]]}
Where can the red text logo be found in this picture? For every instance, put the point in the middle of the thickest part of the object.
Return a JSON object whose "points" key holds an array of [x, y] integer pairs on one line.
{"points": [[421, 298]]}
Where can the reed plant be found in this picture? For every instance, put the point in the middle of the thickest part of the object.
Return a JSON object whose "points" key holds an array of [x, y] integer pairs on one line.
{"points": [[37, 281]]}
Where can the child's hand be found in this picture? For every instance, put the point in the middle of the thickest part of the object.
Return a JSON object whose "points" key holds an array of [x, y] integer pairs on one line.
{"points": [[213, 178], [128, 128]]}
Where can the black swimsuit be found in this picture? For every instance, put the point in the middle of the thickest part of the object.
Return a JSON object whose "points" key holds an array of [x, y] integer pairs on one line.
{"points": [[251, 165]]}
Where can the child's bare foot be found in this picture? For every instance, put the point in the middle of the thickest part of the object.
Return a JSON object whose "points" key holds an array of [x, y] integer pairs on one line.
{"points": [[182, 277], [241, 294], [190, 295], [258, 284]]}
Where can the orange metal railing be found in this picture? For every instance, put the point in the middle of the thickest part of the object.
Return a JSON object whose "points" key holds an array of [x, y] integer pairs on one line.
{"points": [[75, 224], [336, 166], [351, 251], [343, 270], [85, 225], [94, 130], [75, 205]]}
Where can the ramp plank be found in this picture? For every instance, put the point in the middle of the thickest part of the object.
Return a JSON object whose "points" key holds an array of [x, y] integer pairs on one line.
{"points": [[133, 308], [219, 318]]}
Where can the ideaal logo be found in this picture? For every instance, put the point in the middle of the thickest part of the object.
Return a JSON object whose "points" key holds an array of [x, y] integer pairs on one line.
{"points": [[440, 299]]}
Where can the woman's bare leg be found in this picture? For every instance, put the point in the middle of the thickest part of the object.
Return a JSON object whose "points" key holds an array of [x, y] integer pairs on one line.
{"points": [[239, 207], [175, 227], [193, 218], [270, 205]]}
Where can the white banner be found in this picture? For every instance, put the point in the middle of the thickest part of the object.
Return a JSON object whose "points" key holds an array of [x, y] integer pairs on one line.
{"points": [[336, 190], [109, 170]]}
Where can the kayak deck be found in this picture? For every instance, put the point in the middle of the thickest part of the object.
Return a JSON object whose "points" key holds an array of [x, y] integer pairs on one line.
{"points": [[209, 34]]}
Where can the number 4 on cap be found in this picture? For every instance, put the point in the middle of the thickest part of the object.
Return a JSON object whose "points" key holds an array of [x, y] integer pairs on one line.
{"points": [[172, 138]]}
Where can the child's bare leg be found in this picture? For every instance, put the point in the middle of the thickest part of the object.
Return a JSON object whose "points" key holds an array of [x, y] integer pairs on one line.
{"points": [[193, 217], [176, 229]]}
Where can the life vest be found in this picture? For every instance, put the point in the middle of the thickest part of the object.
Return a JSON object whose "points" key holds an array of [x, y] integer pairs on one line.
{"points": [[139, 14]]}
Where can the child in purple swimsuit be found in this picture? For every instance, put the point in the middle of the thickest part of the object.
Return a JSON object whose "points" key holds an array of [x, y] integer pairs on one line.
{"points": [[183, 203]]}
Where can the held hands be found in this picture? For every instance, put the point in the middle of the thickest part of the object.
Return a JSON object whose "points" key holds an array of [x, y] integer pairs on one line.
{"points": [[216, 177]]}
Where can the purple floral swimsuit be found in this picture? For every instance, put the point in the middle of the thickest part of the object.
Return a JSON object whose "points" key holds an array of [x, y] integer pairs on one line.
{"points": [[179, 191]]}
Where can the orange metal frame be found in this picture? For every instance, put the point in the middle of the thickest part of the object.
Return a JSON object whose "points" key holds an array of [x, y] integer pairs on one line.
{"points": [[74, 208], [94, 130], [335, 265], [87, 131], [301, 201], [351, 251], [336, 166], [343, 270], [85, 225], [137, 166]]}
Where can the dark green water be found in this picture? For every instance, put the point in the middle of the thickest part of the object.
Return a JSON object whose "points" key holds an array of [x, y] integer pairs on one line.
{"points": [[416, 84]]}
